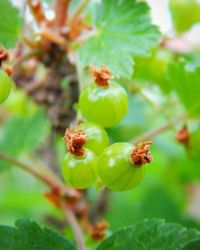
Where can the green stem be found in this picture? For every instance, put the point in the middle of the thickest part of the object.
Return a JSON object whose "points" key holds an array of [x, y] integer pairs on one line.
{"points": [[83, 79], [52, 183], [75, 226], [149, 135], [45, 175], [22, 166], [159, 109]]}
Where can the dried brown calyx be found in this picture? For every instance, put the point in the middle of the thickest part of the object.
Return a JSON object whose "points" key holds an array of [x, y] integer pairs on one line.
{"points": [[7, 69], [183, 136], [141, 155], [101, 76], [3, 55], [96, 231], [74, 141]]}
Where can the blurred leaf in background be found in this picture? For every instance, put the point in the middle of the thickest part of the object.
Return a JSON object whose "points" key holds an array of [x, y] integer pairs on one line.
{"points": [[10, 24], [22, 134], [185, 80], [154, 69], [185, 13], [128, 24]]}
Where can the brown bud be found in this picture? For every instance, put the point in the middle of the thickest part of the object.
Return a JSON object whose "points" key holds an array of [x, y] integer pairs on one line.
{"points": [[98, 230], [183, 136]]}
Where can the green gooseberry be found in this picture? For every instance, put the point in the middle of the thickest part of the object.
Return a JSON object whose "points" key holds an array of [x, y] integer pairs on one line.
{"points": [[104, 102], [80, 171], [120, 168], [5, 85], [96, 137]]}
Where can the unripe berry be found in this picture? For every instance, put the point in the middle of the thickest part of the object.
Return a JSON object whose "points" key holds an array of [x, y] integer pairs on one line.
{"points": [[5, 85], [120, 166], [103, 102]]}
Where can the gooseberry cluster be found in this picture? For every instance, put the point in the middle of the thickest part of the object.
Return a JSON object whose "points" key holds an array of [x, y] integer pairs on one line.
{"points": [[90, 159]]}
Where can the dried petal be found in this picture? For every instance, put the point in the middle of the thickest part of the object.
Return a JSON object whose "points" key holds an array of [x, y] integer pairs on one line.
{"points": [[75, 141], [101, 76], [141, 155]]}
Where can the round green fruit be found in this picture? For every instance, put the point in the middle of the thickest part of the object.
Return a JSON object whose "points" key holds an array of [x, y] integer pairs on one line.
{"points": [[116, 168], [80, 171], [5, 85], [104, 105], [96, 137]]}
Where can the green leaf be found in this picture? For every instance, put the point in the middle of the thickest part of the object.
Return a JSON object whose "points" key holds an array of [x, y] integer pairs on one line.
{"points": [[153, 69], [152, 234], [123, 30], [193, 60], [29, 235], [194, 245], [194, 146], [10, 24], [23, 134], [181, 13], [184, 78]]}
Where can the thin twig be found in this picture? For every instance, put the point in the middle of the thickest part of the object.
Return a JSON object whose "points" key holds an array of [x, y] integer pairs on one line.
{"points": [[52, 36], [100, 207], [149, 135], [24, 13], [23, 166], [75, 226], [159, 108], [45, 175], [29, 42], [57, 186], [61, 12], [37, 11], [78, 11]]}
